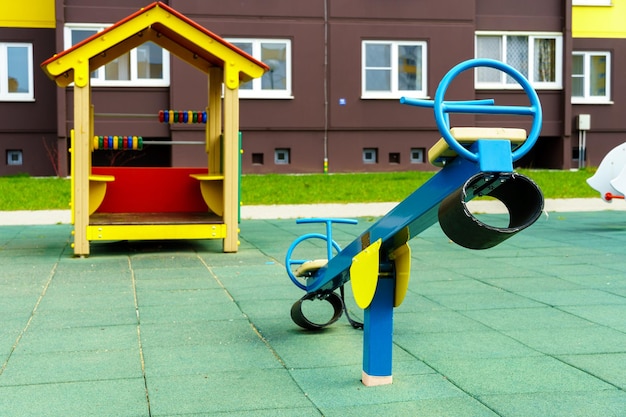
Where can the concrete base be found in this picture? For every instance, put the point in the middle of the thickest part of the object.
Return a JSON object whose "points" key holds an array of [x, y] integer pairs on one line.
{"points": [[373, 380]]}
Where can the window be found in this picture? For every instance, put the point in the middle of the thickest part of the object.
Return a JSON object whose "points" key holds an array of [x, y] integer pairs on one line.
{"points": [[391, 69], [14, 157], [370, 156], [590, 77], [147, 65], [16, 72], [257, 159], [536, 56], [417, 155], [281, 156], [394, 157], [591, 2], [276, 53]]}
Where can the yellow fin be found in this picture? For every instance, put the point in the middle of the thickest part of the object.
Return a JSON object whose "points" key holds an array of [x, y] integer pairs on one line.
{"points": [[402, 258], [364, 274]]}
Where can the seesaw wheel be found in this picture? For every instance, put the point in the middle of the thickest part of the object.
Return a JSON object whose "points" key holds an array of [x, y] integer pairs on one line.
{"points": [[443, 108], [293, 264]]}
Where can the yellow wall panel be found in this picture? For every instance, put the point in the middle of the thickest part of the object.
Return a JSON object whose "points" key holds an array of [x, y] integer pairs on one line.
{"points": [[27, 13], [600, 21]]}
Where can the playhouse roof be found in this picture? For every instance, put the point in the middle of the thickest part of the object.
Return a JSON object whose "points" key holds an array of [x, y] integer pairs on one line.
{"points": [[167, 28]]}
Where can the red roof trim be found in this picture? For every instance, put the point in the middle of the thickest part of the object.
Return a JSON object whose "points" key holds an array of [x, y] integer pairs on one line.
{"points": [[169, 10]]}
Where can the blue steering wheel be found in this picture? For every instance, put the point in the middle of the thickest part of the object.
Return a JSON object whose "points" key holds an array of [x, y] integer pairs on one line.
{"points": [[443, 108]]}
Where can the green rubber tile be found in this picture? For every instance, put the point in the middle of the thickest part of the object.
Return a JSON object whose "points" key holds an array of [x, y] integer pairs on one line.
{"points": [[458, 286], [481, 377], [302, 411], [275, 288], [610, 403], [603, 282], [254, 389], [181, 297], [461, 345], [208, 359], [610, 367], [525, 284], [62, 367], [340, 387], [165, 284], [575, 268], [171, 260], [94, 267], [334, 346], [277, 308], [205, 332], [18, 305], [207, 308], [104, 300], [415, 303], [527, 318], [574, 297], [491, 298], [90, 316], [582, 340], [613, 316], [171, 276], [78, 339], [110, 398], [432, 273], [438, 407], [438, 321]]}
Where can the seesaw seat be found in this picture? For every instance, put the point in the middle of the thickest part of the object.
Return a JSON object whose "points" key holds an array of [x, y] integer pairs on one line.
{"points": [[441, 152], [307, 268]]}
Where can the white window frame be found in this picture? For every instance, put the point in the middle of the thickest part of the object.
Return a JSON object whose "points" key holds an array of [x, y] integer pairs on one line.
{"points": [[587, 98], [282, 156], [420, 152], [557, 84], [257, 91], [5, 95], [394, 93], [591, 3], [134, 81], [15, 157], [373, 158]]}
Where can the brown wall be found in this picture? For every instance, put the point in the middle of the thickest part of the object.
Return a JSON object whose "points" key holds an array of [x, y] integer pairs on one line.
{"points": [[608, 122], [313, 120], [30, 126]]}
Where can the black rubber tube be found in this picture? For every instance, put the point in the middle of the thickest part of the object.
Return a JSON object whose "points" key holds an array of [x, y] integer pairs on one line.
{"points": [[521, 196]]}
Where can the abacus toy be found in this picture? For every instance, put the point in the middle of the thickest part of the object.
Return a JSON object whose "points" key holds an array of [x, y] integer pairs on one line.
{"points": [[186, 116], [157, 203], [134, 143]]}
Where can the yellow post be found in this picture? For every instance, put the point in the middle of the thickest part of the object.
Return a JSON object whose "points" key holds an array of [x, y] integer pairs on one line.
{"points": [[81, 153], [214, 120], [231, 168]]}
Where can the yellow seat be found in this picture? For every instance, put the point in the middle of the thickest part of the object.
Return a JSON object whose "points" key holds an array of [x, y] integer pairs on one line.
{"points": [[441, 152], [309, 267]]}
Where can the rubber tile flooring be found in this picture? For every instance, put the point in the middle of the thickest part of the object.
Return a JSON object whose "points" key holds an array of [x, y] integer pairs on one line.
{"points": [[533, 327]]}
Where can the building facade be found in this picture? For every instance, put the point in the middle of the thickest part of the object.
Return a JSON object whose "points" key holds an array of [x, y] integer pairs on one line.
{"points": [[338, 69]]}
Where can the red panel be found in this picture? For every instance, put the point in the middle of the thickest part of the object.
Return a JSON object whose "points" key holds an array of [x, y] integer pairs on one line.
{"points": [[152, 190]]}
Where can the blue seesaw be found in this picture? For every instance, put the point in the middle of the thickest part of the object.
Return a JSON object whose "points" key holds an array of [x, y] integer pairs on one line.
{"points": [[475, 162]]}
